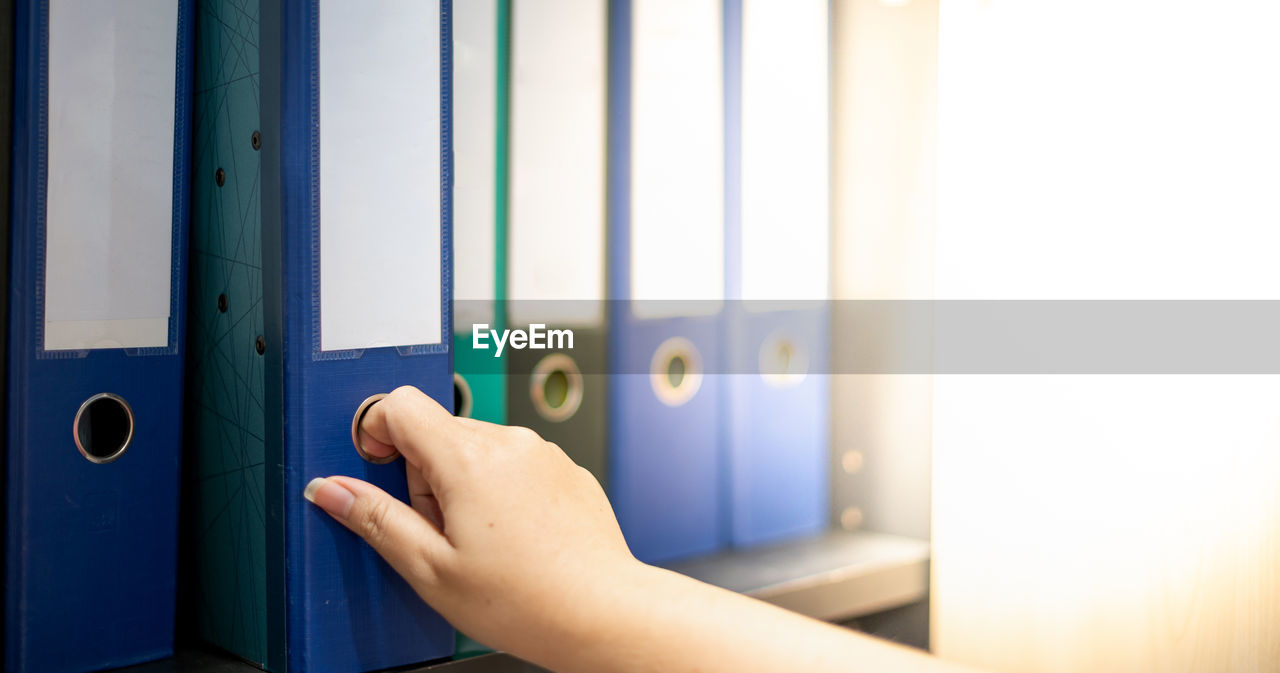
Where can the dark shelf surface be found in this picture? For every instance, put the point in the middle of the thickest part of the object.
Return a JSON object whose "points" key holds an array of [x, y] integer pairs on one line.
{"points": [[834, 576]]}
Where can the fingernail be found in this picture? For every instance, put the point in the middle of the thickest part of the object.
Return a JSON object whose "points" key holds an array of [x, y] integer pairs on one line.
{"points": [[330, 496]]}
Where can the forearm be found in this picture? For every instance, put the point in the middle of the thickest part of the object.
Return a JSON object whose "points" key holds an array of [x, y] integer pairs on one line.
{"points": [[534, 561], [662, 621]]}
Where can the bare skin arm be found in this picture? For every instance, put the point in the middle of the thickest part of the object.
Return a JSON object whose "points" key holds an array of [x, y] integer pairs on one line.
{"points": [[518, 547]]}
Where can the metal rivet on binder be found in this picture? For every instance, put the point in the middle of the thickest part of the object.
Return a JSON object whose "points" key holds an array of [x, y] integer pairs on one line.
{"points": [[103, 427], [851, 461], [260, 344], [556, 387], [256, 140], [220, 177], [851, 518], [355, 431], [222, 303], [783, 363], [675, 371]]}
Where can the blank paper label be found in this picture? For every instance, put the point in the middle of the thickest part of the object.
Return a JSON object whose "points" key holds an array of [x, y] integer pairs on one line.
{"points": [[109, 194], [677, 157], [558, 104], [475, 70], [379, 174], [785, 167]]}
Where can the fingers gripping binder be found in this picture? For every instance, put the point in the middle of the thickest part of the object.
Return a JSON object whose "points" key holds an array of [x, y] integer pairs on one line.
{"points": [[355, 296], [95, 331]]}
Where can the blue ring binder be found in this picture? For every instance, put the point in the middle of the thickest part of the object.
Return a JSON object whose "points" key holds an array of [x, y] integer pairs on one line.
{"points": [[88, 546]]}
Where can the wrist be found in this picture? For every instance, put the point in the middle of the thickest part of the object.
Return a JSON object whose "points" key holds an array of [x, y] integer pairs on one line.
{"points": [[597, 623]]}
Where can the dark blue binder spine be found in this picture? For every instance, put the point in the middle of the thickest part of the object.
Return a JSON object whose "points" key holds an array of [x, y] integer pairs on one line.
{"points": [[339, 606], [779, 434], [90, 549], [664, 472], [6, 145]]}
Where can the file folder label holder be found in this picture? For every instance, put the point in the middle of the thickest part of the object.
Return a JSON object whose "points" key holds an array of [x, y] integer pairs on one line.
{"points": [[357, 294], [96, 327]]}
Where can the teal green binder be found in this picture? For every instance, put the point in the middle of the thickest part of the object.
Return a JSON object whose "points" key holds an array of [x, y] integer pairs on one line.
{"points": [[480, 126], [225, 511]]}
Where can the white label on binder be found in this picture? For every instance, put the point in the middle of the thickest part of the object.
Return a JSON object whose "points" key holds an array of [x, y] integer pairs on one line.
{"points": [[785, 167], [109, 193], [677, 157], [379, 173], [558, 107], [475, 68]]}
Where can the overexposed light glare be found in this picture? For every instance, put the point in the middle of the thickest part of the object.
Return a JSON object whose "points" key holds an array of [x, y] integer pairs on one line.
{"points": [[1107, 150], [475, 72], [785, 140], [677, 156], [556, 226]]}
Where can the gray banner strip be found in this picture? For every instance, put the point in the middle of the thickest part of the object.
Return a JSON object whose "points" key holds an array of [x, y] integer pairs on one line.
{"points": [[1008, 337]]}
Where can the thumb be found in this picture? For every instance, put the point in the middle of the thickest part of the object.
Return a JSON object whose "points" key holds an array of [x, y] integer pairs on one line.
{"points": [[410, 543]]}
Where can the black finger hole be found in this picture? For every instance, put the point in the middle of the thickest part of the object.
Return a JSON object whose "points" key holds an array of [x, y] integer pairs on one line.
{"points": [[103, 427], [462, 397], [676, 368], [355, 430], [555, 390]]}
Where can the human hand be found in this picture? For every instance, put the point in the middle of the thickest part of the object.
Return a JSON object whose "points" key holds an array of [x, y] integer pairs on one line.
{"points": [[504, 535]]}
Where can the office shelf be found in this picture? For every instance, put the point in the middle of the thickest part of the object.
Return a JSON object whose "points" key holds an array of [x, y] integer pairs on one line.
{"points": [[835, 576]]}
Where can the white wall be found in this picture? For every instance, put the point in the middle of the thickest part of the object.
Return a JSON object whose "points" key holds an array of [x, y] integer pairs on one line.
{"points": [[884, 70], [1108, 150]]}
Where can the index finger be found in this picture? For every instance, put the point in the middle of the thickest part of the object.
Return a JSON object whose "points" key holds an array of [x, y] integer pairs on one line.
{"points": [[425, 433]]}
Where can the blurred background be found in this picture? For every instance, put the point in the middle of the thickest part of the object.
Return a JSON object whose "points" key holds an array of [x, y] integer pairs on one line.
{"points": [[879, 166], [1032, 149]]}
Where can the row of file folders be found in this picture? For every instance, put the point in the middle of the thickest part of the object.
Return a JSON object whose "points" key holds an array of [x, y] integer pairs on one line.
{"points": [[231, 224]]}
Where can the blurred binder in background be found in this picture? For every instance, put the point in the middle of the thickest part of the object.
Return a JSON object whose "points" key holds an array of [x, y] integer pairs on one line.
{"points": [[557, 222], [355, 259], [666, 212], [778, 271], [95, 331]]}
